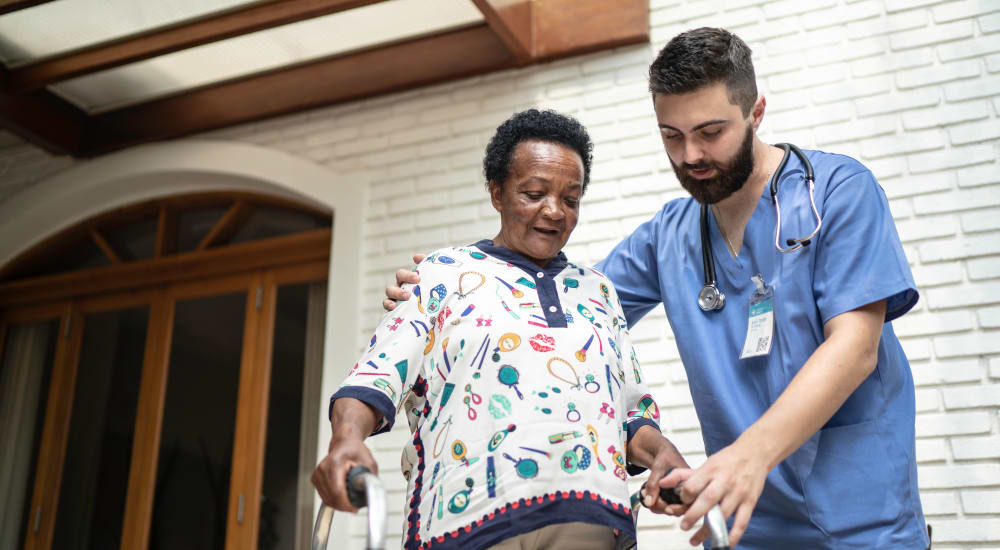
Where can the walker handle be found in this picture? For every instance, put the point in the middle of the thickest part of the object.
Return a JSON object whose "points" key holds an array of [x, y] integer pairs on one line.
{"points": [[356, 486], [363, 489]]}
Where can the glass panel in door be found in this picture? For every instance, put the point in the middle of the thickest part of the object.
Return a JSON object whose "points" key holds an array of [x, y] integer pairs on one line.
{"points": [[25, 371], [199, 421], [99, 446], [286, 509]]}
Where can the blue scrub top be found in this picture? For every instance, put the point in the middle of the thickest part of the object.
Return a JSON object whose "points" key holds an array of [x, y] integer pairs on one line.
{"points": [[853, 484]]}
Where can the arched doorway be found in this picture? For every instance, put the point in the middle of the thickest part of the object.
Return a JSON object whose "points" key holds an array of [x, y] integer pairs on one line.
{"points": [[156, 368], [172, 344]]}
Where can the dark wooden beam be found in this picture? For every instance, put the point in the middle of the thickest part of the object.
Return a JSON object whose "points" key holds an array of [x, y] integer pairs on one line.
{"points": [[564, 28], [441, 57], [511, 20], [43, 119], [227, 24], [7, 6]]}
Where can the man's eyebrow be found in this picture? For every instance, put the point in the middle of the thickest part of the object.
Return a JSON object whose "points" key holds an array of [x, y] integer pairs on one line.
{"points": [[698, 127]]}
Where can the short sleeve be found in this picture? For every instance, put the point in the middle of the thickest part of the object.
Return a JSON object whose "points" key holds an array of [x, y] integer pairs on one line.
{"points": [[388, 370], [632, 268], [641, 408], [859, 259]]}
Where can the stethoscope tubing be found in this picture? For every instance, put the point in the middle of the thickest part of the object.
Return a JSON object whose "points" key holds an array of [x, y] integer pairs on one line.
{"points": [[710, 298]]}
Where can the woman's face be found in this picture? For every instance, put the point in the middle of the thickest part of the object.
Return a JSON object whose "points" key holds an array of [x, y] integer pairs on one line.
{"points": [[540, 201]]}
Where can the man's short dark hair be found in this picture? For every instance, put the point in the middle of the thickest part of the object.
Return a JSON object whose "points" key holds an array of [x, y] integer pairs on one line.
{"points": [[534, 124], [705, 56]]}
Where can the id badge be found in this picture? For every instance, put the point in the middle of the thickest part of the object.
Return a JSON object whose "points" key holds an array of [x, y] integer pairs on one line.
{"points": [[760, 326]]}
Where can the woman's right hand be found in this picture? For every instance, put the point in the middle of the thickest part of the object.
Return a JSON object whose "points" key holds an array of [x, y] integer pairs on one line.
{"points": [[396, 293], [330, 475]]}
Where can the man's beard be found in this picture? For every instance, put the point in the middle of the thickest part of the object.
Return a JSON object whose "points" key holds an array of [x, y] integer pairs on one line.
{"points": [[730, 178]]}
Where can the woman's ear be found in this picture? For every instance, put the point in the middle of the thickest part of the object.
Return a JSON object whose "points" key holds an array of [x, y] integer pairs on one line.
{"points": [[496, 193]]}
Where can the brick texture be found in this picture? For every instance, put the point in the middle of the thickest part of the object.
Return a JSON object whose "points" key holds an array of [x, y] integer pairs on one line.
{"points": [[909, 87]]}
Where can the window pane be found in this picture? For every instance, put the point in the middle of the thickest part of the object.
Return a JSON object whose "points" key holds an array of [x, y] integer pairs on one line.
{"points": [[25, 372], [135, 241], [199, 422], [193, 225], [270, 221], [99, 447], [81, 253]]}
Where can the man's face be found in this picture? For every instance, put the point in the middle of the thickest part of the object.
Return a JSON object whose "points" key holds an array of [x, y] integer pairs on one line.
{"points": [[708, 140]]}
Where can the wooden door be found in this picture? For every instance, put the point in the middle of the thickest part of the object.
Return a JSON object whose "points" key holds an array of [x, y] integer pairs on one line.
{"points": [[155, 422]]}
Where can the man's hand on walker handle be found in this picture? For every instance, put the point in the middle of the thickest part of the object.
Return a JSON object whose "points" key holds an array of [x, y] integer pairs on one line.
{"points": [[733, 478], [396, 293]]}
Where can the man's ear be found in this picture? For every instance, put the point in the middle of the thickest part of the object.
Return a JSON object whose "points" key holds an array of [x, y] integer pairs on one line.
{"points": [[757, 113], [496, 193]]}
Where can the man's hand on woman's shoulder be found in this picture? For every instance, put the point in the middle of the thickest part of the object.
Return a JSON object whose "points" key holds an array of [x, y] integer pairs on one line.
{"points": [[396, 293]]}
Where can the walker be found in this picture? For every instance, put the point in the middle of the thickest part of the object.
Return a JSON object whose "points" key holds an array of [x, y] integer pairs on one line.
{"points": [[365, 489]]}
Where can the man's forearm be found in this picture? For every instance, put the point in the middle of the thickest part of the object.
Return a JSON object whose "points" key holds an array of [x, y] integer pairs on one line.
{"points": [[832, 373]]}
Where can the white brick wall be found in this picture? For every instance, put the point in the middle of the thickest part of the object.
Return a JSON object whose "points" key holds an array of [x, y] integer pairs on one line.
{"points": [[910, 87]]}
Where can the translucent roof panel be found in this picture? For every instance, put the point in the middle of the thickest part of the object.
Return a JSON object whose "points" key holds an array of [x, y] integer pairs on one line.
{"points": [[57, 27], [359, 28]]}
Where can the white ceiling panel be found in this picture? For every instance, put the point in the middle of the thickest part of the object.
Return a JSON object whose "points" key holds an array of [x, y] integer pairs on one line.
{"points": [[350, 30], [64, 25]]}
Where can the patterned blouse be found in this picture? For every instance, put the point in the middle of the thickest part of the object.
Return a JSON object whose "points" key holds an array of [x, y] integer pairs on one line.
{"points": [[521, 390]]}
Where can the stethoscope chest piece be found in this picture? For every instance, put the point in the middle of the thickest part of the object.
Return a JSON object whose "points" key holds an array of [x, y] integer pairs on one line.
{"points": [[711, 298]]}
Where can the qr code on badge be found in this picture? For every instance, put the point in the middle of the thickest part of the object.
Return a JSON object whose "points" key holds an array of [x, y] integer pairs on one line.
{"points": [[761, 344]]}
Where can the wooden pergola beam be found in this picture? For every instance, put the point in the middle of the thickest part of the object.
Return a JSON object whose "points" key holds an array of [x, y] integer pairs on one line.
{"points": [[446, 56], [516, 33], [512, 22], [212, 28], [7, 6], [43, 119], [563, 28]]}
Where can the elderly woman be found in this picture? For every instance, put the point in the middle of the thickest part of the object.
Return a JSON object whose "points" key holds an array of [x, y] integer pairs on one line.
{"points": [[524, 398]]}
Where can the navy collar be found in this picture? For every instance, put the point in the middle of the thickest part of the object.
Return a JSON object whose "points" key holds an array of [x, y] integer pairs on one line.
{"points": [[555, 266]]}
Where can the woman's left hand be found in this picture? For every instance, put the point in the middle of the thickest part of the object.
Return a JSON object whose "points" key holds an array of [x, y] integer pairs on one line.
{"points": [[649, 448], [650, 493]]}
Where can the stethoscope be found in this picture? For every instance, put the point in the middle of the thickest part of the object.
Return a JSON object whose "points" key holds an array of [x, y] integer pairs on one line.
{"points": [[711, 298]]}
